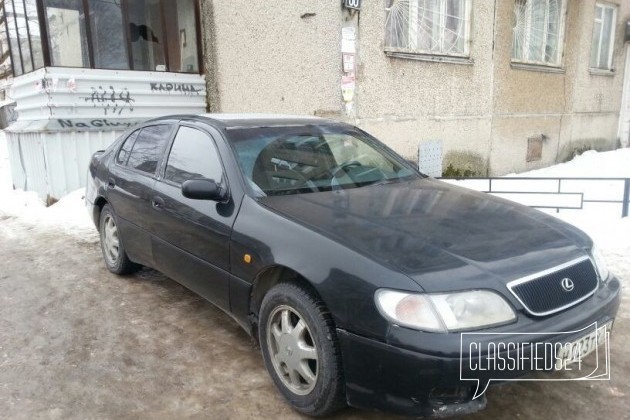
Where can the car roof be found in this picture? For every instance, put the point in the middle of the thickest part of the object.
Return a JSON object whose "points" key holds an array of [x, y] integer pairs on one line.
{"points": [[251, 120]]}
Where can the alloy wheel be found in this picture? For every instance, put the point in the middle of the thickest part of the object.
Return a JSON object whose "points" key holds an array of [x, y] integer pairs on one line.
{"points": [[111, 241], [292, 350]]}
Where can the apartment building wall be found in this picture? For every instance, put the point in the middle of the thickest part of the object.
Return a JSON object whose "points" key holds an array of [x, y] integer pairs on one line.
{"points": [[286, 58]]}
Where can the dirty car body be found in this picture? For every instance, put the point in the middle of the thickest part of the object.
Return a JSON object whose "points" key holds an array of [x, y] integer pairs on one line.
{"points": [[245, 210]]}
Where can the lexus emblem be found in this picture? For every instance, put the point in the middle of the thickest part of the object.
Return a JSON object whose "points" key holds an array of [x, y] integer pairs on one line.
{"points": [[567, 284]]}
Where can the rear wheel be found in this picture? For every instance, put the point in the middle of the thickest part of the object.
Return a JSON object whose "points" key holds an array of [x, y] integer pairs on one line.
{"points": [[300, 350], [114, 254]]}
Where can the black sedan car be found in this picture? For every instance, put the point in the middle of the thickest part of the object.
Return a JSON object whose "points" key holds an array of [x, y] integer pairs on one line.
{"points": [[356, 273]]}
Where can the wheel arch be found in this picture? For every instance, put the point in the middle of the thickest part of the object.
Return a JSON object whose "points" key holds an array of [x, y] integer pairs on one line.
{"points": [[99, 203], [268, 278]]}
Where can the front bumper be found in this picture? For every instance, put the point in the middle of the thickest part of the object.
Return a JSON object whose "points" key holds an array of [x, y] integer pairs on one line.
{"points": [[417, 373]]}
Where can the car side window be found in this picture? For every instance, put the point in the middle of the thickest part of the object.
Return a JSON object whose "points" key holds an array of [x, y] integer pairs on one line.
{"points": [[123, 153], [193, 156], [148, 148]]}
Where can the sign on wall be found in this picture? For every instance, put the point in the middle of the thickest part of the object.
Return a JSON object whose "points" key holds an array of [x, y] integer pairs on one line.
{"points": [[430, 158], [352, 4]]}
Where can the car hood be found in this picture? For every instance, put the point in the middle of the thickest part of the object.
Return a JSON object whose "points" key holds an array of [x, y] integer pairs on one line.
{"points": [[442, 236]]}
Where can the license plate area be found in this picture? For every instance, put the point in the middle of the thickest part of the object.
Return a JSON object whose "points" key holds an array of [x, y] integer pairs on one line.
{"points": [[576, 350]]}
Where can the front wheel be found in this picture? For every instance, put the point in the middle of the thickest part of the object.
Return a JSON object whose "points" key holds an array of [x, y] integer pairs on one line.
{"points": [[300, 350]]}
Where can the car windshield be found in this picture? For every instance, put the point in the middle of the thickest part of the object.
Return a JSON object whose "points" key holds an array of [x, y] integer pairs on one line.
{"points": [[313, 158]]}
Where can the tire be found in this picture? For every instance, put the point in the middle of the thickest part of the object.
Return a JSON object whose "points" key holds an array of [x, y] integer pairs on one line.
{"points": [[300, 349], [114, 254]]}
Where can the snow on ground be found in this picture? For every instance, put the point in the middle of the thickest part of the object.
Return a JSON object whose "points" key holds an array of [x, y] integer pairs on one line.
{"points": [[68, 214], [593, 195]]}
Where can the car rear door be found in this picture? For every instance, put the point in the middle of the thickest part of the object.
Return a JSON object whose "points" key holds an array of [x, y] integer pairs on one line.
{"points": [[130, 185], [191, 237]]}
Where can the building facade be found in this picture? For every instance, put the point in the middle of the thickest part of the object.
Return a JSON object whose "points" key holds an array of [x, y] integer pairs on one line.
{"points": [[500, 85], [465, 87]]}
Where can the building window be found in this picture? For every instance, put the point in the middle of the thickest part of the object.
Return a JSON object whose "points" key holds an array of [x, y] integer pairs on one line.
{"points": [[538, 32], [108, 35], [5, 52], [603, 37], [437, 27], [162, 35], [67, 39], [22, 34], [182, 39], [150, 35], [146, 35]]}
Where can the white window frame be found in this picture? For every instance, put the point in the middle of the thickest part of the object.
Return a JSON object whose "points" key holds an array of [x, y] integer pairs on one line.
{"points": [[611, 47], [557, 63], [413, 16]]}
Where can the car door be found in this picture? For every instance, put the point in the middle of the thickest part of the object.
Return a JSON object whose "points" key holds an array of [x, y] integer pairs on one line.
{"points": [[130, 186], [191, 237]]}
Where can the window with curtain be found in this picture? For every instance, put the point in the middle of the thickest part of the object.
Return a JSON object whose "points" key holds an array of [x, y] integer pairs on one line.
{"points": [[172, 46], [603, 36], [538, 31], [146, 35], [428, 26]]}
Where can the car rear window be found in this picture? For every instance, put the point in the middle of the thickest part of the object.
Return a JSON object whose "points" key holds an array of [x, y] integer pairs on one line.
{"points": [[123, 154], [148, 148]]}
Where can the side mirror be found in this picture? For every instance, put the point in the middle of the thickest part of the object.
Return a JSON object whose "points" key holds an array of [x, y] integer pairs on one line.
{"points": [[203, 189]]}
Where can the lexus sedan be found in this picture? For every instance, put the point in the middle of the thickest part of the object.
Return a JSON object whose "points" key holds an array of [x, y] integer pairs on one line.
{"points": [[358, 275]]}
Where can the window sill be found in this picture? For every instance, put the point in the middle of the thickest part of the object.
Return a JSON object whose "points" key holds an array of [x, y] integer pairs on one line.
{"points": [[450, 59], [601, 72], [536, 67]]}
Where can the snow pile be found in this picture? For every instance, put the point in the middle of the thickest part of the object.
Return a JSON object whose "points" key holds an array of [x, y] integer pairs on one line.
{"points": [[68, 214], [590, 164]]}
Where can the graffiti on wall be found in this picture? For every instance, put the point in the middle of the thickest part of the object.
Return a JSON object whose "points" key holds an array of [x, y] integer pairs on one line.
{"points": [[112, 100], [187, 89], [87, 124]]}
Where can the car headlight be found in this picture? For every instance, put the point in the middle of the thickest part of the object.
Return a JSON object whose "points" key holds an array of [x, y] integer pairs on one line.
{"points": [[445, 311], [600, 264]]}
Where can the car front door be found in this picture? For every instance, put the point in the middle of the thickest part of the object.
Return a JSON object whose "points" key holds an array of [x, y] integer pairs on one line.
{"points": [[191, 237], [130, 185]]}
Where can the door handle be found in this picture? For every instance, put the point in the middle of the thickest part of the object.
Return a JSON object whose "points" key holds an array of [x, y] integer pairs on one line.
{"points": [[157, 202], [111, 183]]}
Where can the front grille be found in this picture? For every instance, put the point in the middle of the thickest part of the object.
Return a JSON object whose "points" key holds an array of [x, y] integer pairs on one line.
{"points": [[543, 294]]}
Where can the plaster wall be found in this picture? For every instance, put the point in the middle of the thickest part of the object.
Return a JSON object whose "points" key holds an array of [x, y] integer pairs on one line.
{"points": [[287, 59]]}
